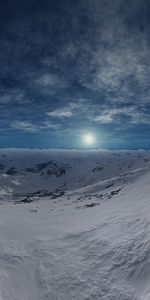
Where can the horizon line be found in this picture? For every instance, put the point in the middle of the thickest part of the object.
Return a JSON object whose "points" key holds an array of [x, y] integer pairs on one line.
{"points": [[74, 149]]}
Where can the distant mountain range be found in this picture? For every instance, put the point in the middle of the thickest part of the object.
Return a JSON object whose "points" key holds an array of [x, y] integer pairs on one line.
{"points": [[26, 175]]}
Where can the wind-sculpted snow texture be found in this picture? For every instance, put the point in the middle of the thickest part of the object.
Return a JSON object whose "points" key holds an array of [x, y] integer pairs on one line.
{"points": [[74, 225]]}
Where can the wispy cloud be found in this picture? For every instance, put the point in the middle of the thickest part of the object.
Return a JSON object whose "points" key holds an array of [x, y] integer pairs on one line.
{"points": [[74, 108], [25, 126], [49, 82], [30, 127], [60, 113], [64, 112], [115, 115], [49, 125], [15, 96]]}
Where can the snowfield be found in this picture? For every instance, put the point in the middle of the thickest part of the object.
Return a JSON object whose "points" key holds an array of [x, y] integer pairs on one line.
{"points": [[74, 225]]}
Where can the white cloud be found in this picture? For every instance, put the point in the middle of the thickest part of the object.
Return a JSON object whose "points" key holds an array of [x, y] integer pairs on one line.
{"points": [[59, 113], [48, 124], [34, 128], [114, 115], [25, 126], [104, 119], [47, 80], [15, 96], [50, 81], [140, 118], [109, 115], [65, 112], [74, 107]]}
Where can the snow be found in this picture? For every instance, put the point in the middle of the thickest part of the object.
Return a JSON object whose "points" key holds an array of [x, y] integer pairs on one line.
{"points": [[90, 242]]}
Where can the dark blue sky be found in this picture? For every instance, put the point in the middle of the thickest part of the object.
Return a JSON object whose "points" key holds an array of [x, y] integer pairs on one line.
{"points": [[71, 67]]}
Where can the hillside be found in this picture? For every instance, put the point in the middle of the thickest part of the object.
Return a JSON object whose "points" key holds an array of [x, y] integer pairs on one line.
{"points": [[74, 225]]}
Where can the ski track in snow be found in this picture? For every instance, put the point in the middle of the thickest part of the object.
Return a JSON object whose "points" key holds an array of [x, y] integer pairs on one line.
{"points": [[50, 250]]}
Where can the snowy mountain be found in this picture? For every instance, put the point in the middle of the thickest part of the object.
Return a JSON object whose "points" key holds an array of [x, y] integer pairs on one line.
{"points": [[25, 174], [74, 225]]}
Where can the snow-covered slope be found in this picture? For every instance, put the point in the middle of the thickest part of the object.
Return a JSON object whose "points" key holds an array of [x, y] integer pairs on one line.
{"points": [[28, 174], [76, 226]]}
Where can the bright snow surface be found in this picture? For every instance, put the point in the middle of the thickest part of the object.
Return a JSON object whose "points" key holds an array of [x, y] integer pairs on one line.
{"points": [[74, 225]]}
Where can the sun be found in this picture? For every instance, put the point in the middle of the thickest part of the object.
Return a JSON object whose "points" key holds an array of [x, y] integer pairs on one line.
{"points": [[89, 139]]}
